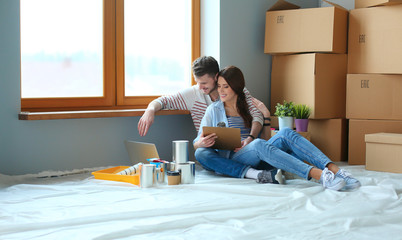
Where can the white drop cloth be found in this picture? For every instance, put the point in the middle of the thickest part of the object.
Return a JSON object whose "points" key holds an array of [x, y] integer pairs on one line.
{"points": [[215, 207]]}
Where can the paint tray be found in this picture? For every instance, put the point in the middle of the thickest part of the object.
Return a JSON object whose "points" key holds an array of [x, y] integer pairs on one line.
{"points": [[110, 174]]}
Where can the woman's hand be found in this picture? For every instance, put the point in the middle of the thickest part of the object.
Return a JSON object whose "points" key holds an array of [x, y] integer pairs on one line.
{"points": [[206, 141], [261, 106], [244, 143]]}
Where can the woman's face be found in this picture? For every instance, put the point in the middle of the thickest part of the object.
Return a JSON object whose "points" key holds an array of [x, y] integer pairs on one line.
{"points": [[226, 93]]}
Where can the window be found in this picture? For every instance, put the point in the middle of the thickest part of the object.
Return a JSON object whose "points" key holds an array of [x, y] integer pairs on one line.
{"points": [[110, 54]]}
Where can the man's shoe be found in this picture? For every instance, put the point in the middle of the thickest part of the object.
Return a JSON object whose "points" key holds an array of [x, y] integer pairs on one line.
{"points": [[351, 182], [328, 180], [272, 176]]}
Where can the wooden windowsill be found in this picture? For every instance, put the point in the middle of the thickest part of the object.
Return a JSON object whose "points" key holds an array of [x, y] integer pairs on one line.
{"points": [[93, 114]]}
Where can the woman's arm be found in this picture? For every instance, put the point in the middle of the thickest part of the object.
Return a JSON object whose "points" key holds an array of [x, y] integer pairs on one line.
{"points": [[266, 130], [209, 140]]}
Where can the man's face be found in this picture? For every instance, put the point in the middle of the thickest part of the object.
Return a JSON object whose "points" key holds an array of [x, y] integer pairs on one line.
{"points": [[206, 83]]}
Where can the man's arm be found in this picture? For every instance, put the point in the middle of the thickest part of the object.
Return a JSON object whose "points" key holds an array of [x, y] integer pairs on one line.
{"points": [[171, 102], [258, 119], [266, 130], [255, 113], [147, 118]]}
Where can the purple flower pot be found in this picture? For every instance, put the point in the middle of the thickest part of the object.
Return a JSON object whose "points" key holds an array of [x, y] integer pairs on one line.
{"points": [[301, 125]]}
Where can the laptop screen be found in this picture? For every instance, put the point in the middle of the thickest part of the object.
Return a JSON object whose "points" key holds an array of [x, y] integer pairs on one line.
{"points": [[140, 151]]}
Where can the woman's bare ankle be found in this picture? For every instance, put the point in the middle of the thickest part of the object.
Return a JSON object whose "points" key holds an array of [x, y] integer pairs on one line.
{"points": [[333, 167], [315, 173]]}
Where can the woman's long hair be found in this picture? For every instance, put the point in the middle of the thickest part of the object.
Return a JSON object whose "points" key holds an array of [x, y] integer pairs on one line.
{"points": [[234, 77]]}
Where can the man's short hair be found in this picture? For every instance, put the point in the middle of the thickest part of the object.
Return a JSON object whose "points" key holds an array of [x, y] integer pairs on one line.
{"points": [[205, 65]]}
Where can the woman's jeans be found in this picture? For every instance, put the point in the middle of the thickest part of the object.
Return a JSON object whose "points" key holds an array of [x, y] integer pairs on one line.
{"points": [[286, 150]]}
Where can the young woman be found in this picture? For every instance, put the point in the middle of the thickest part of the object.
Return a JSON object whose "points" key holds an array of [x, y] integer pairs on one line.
{"points": [[286, 150]]}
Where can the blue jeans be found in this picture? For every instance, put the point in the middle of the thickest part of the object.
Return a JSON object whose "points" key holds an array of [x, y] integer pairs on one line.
{"points": [[211, 160], [286, 150]]}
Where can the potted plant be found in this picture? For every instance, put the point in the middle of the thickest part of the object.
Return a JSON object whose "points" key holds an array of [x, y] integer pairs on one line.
{"points": [[285, 114], [302, 113]]}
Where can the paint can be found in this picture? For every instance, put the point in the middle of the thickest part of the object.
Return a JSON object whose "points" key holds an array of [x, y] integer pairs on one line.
{"points": [[180, 151], [148, 174], [187, 172]]}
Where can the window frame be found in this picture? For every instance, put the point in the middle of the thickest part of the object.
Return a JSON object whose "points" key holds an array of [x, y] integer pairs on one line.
{"points": [[113, 68]]}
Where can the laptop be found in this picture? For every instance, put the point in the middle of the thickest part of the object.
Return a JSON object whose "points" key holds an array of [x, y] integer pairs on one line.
{"points": [[228, 138], [140, 151]]}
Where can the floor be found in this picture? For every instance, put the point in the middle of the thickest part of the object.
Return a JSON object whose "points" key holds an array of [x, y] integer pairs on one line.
{"points": [[74, 205]]}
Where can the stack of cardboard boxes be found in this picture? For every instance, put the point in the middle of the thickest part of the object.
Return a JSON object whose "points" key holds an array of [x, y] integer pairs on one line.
{"points": [[374, 80], [309, 67]]}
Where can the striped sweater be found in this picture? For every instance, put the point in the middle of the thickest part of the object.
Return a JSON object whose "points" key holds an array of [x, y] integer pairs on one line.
{"points": [[195, 101]]}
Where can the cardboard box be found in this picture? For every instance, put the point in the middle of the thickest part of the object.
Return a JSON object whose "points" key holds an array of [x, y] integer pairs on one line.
{"points": [[328, 135], [359, 128], [274, 121], [291, 30], [375, 36], [383, 152], [317, 80], [374, 96], [373, 3]]}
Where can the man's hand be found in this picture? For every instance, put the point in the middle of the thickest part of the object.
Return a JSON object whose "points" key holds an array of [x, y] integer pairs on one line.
{"points": [[261, 106], [145, 122]]}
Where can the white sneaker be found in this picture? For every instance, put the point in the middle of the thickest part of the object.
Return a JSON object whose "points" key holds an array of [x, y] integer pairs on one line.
{"points": [[330, 181], [351, 182]]}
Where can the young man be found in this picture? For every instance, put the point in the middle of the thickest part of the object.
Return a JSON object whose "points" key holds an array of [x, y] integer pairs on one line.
{"points": [[197, 98]]}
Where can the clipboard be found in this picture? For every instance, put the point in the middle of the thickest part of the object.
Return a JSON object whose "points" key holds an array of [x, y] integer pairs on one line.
{"points": [[228, 138]]}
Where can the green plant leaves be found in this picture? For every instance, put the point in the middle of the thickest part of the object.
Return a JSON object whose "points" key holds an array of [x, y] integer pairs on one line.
{"points": [[289, 109], [302, 111], [284, 110]]}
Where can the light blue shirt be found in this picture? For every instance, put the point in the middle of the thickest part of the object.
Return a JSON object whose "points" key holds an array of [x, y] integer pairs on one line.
{"points": [[214, 114]]}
